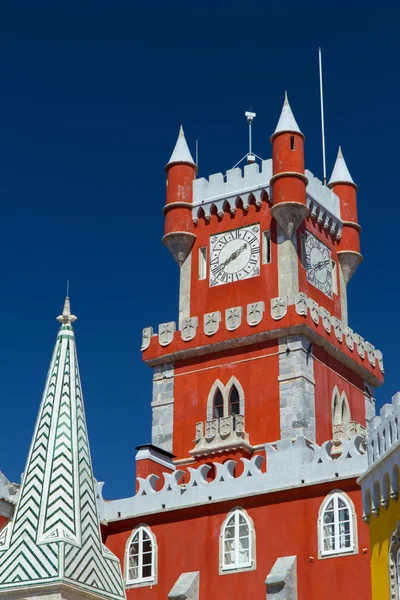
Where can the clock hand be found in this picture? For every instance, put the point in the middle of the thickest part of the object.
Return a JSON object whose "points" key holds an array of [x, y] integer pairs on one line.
{"points": [[321, 264], [233, 256]]}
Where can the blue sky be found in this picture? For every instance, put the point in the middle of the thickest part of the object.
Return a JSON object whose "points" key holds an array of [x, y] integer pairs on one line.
{"points": [[91, 98]]}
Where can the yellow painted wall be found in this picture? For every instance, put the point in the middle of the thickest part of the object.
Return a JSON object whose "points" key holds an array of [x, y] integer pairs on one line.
{"points": [[381, 529]]}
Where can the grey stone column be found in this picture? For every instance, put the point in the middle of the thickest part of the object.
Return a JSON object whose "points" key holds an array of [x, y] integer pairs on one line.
{"points": [[163, 407], [288, 266], [184, 290], [296, 388], [343, 295]]}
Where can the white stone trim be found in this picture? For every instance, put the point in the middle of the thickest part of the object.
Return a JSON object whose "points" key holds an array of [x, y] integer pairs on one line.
{"points": [[289, 466]]}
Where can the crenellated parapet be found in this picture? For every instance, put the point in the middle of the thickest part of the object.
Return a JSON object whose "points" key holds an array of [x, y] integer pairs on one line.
{"points": [[256, 322], [380, 483], [289, 465], [324, 206], [226, 192]]}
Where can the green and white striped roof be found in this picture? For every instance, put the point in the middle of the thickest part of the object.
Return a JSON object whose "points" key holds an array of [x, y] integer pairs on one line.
{"points": [[54, 537]]}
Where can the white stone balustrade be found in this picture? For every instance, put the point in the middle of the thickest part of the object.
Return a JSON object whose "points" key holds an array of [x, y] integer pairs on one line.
{"points": [[217, 435]]}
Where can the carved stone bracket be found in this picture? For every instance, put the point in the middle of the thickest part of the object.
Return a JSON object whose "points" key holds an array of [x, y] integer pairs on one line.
{"points": [[360, 344], [326, 319], [278, 308], [189, 329], [349, 333], [233, 318], [211, 322], [146, 337], [301, 303], [337, 328], [166, 333], [371, 353], [255, 313], [313, 306]]}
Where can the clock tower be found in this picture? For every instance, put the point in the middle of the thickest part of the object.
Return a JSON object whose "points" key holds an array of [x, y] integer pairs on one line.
{"points": [[265, 257], [262, 392]]}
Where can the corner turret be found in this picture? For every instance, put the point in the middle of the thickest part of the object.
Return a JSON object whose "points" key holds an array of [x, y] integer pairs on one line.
{"points": [[289, 182], [343, 186], [178, 230]]}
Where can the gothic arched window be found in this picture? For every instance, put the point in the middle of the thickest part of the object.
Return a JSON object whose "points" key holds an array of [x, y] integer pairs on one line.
{"points": [[141, 556], [337, 533], [237, 542], [234, 401], [218, 405]]}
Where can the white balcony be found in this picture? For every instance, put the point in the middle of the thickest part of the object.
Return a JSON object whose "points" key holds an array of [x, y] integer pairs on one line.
{"points": [[219, 435]]}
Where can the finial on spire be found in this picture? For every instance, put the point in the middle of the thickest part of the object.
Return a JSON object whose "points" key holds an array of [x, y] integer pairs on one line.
{"points": [[287, 122], [67, 318], [340, 173], [181, 153]]}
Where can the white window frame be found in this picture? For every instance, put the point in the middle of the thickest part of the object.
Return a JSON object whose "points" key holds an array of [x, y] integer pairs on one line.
{"points": [[141, 581], [266, 247], [237, 566], [202, 263], [337, 551]]}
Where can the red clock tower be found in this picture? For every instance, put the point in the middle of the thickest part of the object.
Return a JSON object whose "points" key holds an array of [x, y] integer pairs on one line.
{"points": [[261, 393]]}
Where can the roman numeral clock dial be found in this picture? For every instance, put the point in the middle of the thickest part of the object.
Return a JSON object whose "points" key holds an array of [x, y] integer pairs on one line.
{"points": [[235, 255], [318, 264]]}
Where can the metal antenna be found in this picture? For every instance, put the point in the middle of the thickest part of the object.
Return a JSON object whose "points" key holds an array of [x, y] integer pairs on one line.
{"points": [[67, 287], [322, 114], [197, 155], [250, 116]]}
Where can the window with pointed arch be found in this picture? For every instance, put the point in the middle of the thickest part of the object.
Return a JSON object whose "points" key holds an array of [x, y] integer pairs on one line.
{"points": [[237, 542], [141, 558], [337, 527]]}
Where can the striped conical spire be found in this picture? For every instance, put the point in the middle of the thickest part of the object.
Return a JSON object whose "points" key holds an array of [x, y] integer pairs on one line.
{"points": [[54, 538]]}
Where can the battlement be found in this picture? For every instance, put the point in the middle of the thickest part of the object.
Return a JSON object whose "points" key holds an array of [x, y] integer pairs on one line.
{"points": [[380, 483], [384, 432], [255, 323], [289, 465], [226, 191]]}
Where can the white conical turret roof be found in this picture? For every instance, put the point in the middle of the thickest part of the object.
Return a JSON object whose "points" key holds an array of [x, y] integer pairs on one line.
{"points": [[181, 153], [340, 173], [54, 537], [286, 122]]}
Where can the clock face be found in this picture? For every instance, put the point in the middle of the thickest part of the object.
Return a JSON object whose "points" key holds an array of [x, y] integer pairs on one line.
{"points": [[235, 255], [318, 264]]}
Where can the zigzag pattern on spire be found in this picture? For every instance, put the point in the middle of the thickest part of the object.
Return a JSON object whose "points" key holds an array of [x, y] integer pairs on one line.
{"points": [[55, 534]]}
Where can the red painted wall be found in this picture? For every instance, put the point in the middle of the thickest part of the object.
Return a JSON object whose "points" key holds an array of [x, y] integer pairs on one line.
{"points": [[329, 373], [255, 367], [285, 524]]}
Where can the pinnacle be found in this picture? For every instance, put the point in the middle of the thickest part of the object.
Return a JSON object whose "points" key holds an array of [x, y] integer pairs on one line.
{"points": [[287, 122], [181, 153], [340, 173], [67, 318]]}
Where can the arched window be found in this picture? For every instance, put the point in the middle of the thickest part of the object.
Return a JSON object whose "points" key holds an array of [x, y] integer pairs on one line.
{"points": [[341, 415], [218, 405], [337, 526], [237, 542], [234, 401], [141, 555]]}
